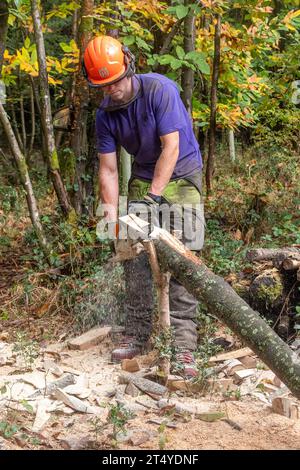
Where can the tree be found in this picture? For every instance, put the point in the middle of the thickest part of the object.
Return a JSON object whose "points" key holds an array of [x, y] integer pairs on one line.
{"points": [[187, 82], [47, 115], [225, 303], [213, 106], [80, 104], [3, 29], [18, 156]]}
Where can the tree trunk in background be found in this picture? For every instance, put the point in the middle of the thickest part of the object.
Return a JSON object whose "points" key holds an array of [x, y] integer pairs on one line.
{"points": [[224, 303], [187, 82], [26, 182], [23, 126], [231, 143], [204, 96], [3, 29], [213, 108], [47, 115], [125, 168], [79, 116], [32, 115]]}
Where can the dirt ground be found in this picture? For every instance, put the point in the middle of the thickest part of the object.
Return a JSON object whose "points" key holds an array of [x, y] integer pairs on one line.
{"points": [[251, 423]]}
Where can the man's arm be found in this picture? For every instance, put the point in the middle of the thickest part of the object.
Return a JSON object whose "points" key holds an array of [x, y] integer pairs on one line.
{"points": [[166, 163], [109, 185]]}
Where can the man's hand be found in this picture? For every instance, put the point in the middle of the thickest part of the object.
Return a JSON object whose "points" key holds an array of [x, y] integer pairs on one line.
{"points": [[151, 198]]}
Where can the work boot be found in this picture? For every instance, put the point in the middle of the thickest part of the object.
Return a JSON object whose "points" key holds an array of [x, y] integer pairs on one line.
{"points": [[127, 349], [185, 365]]}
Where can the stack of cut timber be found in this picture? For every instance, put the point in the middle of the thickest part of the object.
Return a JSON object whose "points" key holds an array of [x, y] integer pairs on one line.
{"points": [[273, 289]]}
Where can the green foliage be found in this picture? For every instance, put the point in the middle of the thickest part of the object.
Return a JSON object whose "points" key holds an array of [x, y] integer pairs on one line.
{"points": [[8, 430], [164, 343], [26, 348], [222, 253], [207, 327], [118, 416]]}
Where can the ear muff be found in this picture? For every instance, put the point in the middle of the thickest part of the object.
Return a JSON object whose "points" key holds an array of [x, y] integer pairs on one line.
{"points": [[129, 60]]}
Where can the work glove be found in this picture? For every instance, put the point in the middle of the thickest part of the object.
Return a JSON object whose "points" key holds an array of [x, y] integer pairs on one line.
{"points": [[148, 209]]}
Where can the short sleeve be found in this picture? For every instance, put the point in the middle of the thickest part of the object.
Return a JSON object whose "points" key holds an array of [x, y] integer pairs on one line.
{"points": [[105, 141], [169, 109]]}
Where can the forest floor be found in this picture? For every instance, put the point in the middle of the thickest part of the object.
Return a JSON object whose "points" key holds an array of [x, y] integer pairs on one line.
{"points": [[38, 317], [44, 422]]}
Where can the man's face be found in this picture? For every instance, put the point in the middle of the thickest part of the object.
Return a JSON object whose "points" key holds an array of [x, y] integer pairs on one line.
{"points": [[120, 92]]}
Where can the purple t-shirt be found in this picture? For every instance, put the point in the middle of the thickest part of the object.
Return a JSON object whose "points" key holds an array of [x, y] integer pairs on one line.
{"points": [[157, 110]]}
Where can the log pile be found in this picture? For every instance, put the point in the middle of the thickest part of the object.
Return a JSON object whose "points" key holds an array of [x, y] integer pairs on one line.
{"points": [[272, 286]]}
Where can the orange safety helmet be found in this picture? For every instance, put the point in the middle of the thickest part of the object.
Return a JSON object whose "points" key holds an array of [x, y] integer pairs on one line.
{"points": [[106, 61]]}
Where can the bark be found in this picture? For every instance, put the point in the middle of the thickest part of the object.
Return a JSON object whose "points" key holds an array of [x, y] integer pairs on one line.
{"points": [[187, 82], [15, 125], [80, 102], [162, 44], [213, 107], [231, 145], [125, 170], [23, 127], [3, 29], [32, 114], [47, 115], [26, 182], [277, 256], [225, 304], [162, 281]]}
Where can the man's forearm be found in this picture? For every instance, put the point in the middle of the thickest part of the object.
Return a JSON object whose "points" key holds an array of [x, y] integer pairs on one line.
{"points": [[163, 170], [109, 194]]}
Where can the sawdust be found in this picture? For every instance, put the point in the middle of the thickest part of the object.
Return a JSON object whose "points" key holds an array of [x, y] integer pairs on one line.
{"points": [[260, 428]]}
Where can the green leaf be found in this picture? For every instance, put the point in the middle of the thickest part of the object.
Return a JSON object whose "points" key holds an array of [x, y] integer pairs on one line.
{"points": [[165, 59], [33, 58], [203, 67], [27, 43], [201, 124], [181, 11], [180, 52], [175, 63], [27, 406], [142, 44], [128, 40], [65, 47], [194, 56]]}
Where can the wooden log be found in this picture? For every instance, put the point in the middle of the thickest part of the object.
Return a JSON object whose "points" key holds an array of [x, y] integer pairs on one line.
{"points": [[266, 254], [290, 264], [225, 304], [162, 281]]}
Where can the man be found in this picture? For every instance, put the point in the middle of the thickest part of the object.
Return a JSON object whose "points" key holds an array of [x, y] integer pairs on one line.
{"points": [[145, 115]]}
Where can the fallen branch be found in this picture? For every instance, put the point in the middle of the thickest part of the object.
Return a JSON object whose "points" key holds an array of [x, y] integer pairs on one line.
{"points": [[225, 303]]}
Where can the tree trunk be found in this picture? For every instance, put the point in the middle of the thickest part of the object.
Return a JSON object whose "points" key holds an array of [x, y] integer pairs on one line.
{"points": [[26, 182], [231, 145], [187, 82], [47, 115], [213, 107], [277, 255], [125, 171], [81, 98], [3, 29], [32, 115], [23, 126], [225, 304]]}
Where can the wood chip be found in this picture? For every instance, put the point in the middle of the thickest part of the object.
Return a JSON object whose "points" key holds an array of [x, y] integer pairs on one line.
{"points": [[231, 355]]}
